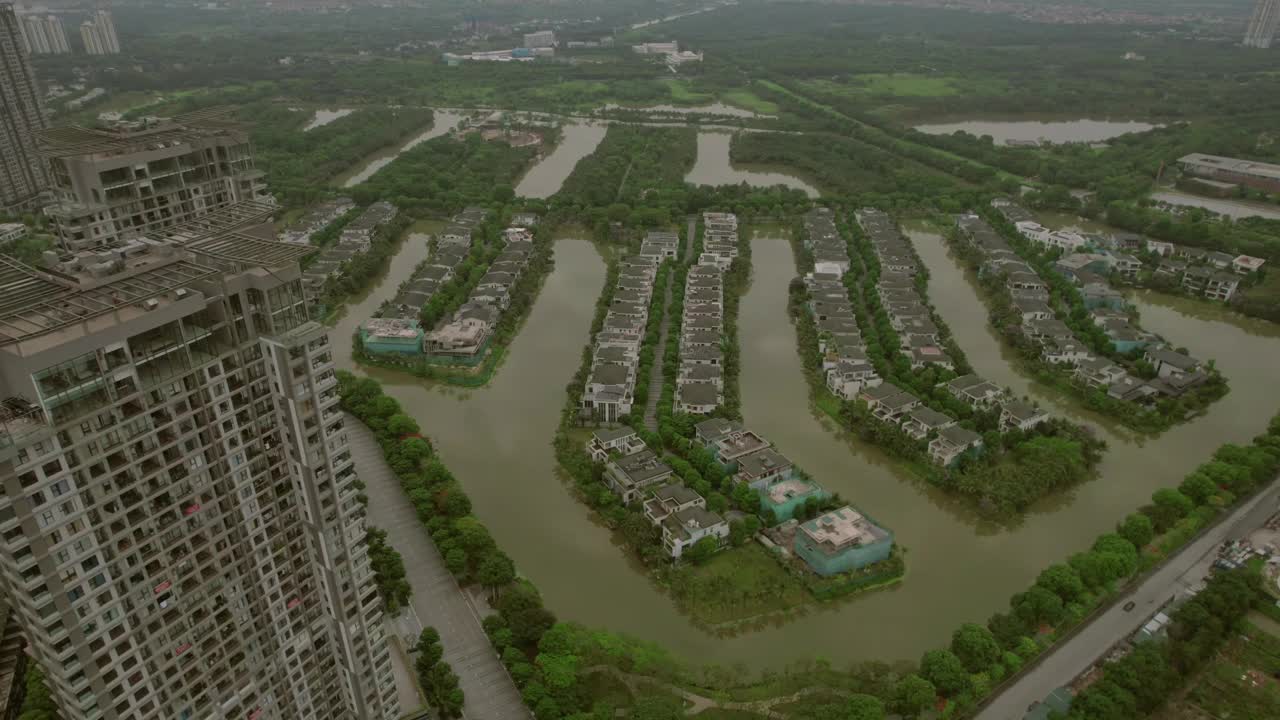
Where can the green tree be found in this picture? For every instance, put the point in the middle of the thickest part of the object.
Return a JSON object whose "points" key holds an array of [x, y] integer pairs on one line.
{"points": [[1137, 529], [1061, 580], [496, 571], [1169, 507], [945, 671], [456, 561], [400, 425], [473, 534], [975, 646], [864, 707], [702, 550], [913, 694], [1198, 487]]}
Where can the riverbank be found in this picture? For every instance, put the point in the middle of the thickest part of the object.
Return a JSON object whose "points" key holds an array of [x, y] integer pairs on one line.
{"points": [[519, 492]]}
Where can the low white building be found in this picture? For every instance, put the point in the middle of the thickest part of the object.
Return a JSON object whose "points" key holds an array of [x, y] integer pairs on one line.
{"points": [[682, 529], [12, 231]]}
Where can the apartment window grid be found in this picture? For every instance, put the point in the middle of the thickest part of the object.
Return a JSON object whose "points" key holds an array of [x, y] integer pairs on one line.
{"points": [[203, 418]]}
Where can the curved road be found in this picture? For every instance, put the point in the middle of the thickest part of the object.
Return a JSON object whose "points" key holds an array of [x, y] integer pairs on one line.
{"points": [[1183, 570]]}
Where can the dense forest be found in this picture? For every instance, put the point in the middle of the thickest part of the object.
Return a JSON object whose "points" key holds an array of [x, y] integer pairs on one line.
{"points": [[844, 165], [633, 162], [441, 176]]}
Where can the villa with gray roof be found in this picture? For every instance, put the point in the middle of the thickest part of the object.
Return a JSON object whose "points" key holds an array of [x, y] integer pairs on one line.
{"points": [[670, 499], [682, 529], [952, 443], [630, 475], [621, 441], [1020, 415]]}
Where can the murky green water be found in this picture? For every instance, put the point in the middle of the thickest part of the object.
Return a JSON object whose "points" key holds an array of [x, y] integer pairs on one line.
{"points": [[714, 168], [577, 140], [497, 441]]}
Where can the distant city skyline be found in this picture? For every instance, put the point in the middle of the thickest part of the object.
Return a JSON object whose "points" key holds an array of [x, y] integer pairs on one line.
{"points": [[45, 34], [22, 172]]}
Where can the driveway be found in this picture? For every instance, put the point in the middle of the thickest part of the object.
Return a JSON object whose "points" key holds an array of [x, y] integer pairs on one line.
{"points": [[437, 599]]}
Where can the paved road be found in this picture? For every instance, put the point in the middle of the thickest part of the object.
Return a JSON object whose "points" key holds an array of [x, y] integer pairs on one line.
{"points": [[655, 370], [1181, 571], [660, 350], [437, 599]]}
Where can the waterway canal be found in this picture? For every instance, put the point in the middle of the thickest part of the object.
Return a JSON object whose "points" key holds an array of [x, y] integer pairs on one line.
{"points": [[714, 168], [496, 440], [1052, 131], [578, 139], [444, 122]]}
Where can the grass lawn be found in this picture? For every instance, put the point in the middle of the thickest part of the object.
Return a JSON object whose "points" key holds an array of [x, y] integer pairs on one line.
{"points": [[725, 714], [428, 227], [906, 85], [748, 100], [1239, 684], [605, 688], [737, 584], [808, 705], [683, 94]]}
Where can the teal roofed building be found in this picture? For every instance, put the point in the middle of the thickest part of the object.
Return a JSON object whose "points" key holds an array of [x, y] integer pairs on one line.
{"points": [[388, 336], [840, 541], [785, 497]]}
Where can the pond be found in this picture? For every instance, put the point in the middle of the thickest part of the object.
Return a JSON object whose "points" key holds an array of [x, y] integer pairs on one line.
{"points": [[716, 108], [1234, 209], [713, 167], [577, 140], [1052, 131]]}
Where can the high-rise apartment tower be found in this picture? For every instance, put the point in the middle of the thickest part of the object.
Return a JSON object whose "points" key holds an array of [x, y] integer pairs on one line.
{"points": [[1262, 26], [22, 171], [44, 34], [180, 531], [136, 178], [99, 34]]}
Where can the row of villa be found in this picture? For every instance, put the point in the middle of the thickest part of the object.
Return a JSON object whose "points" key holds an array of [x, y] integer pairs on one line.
{"points": [[845, 364], [1209, 273], [911, 318], [356, 240], [615, 359], [1212, 274], [465, 335], [1040, 322], [452, 247], [636, 474], [316, 219], [700, 383], [920, 341], [850, 374], [835, 542]]}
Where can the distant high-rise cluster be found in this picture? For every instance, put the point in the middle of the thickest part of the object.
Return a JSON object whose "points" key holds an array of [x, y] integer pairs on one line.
{"points": [[22, 171], [44, 35], [1263, 24], [99, 34]]}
